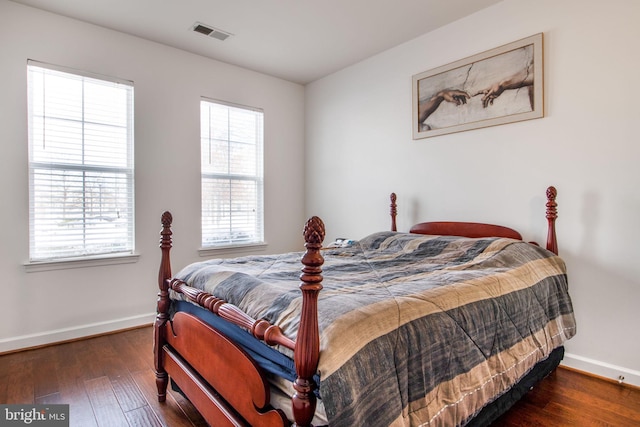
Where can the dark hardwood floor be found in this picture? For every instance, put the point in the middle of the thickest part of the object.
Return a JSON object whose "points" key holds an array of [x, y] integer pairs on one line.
{"points": [[109, 381]]}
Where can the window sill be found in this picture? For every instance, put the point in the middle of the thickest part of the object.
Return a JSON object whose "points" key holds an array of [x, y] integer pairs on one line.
{"points": [[248, 249], [64, 264]]}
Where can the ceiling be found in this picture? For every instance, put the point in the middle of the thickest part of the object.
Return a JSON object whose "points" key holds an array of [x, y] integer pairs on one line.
{"points": [[296, 40]]}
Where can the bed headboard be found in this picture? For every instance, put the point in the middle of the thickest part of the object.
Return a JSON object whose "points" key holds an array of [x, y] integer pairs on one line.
{"points": [[476, 229]]}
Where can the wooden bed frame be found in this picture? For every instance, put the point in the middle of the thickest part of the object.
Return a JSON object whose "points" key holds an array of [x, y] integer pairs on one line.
{"points": [[220, 379]]}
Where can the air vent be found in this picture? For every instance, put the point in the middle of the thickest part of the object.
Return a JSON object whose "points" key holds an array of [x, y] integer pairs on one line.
{"points": [[210, 31]]}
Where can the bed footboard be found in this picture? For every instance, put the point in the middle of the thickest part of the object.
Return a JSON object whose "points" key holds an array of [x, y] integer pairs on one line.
{"points": [[206, 365], [220, 379]]}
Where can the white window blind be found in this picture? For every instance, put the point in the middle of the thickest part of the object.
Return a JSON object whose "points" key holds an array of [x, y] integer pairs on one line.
{"points": [[80, 164], [232, 174]]}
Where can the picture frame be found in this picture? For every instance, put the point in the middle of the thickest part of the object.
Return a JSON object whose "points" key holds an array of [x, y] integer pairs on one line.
{"points": [[495, 87]]}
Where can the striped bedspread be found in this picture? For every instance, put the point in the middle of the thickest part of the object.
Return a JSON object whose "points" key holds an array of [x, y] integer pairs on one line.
{"points": [[415, 330]]}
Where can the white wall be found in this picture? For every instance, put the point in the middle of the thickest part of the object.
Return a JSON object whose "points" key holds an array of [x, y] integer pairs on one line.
{"points": [[359, 149], [48, 306]]}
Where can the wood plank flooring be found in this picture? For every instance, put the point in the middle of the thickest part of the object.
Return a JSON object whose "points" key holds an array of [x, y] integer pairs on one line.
{"points": [[109, 381]]}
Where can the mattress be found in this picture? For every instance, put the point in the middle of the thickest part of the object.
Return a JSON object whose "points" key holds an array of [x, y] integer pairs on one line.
{"points": [[415, 330]]}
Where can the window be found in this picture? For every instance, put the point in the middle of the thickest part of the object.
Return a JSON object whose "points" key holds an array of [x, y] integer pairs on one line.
{"points": [[232, 176], [80, 164]]}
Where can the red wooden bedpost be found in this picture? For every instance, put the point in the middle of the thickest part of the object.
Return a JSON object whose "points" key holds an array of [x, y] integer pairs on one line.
{"points": [[159, 338], [307, 349], [552, 214], [394, 212]]}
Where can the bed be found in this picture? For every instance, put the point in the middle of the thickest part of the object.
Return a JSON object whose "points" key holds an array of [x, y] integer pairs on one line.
{"points": [[448, 324]]}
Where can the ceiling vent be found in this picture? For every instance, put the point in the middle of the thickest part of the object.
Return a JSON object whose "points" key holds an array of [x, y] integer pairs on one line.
{"points": [[210, 31]]}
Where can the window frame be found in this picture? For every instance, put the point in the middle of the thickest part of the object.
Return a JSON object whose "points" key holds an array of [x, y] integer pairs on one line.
{"points": [[257, 178], [85, 256]]}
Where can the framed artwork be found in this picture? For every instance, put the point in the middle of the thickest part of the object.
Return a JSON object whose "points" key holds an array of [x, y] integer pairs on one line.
{"points": [[501, 85]]}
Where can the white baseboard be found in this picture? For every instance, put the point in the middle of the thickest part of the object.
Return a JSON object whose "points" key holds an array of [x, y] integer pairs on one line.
{"points": [[59, 335], [602, 369]]}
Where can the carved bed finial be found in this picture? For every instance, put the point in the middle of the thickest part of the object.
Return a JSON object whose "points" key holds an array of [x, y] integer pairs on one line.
{"points": [[314, 231], [394, 212], [166, 219], [165, 232], [312, 259], [552, 215], [551, 200]]}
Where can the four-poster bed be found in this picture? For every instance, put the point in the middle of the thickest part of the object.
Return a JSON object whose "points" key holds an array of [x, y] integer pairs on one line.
{"points": [[441, 325]]}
